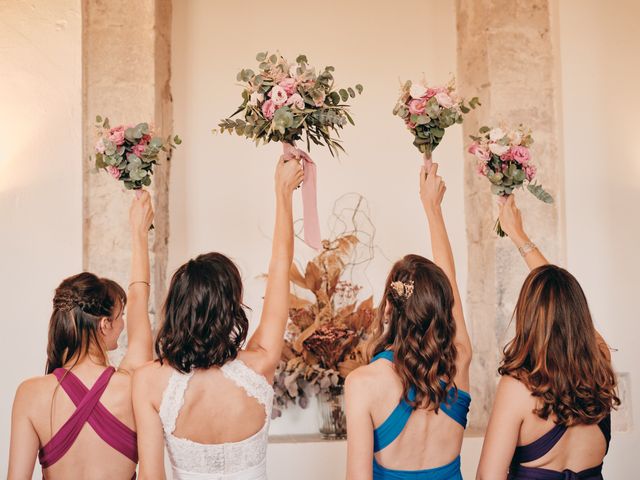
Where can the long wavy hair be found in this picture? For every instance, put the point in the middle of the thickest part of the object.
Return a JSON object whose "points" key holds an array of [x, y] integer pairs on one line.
{"points": [[420, 329], [556, 352], [79, 303], [205, 323]]}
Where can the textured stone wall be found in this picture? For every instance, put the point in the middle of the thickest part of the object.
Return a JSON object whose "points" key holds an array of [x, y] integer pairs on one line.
{"points": [[126, 77], [506, 57]]}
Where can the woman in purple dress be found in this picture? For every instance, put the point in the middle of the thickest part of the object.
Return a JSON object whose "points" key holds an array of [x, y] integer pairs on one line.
{"points": [[551, 416]]}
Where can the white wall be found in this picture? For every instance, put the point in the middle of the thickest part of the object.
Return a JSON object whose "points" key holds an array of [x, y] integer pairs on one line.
{"points": [[222, 185], [600, 76], [40, 180]]}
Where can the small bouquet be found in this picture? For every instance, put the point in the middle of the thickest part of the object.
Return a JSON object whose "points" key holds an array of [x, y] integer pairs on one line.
{"points": [[428, 111], [284, 102], [128, 153], [505, 159]]}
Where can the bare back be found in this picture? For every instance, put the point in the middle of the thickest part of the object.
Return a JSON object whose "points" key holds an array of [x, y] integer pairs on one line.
{"points": [[89, 457], [428, 440]]}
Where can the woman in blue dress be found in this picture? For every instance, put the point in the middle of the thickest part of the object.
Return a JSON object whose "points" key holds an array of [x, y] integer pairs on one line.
{"points": [[407, 409]]}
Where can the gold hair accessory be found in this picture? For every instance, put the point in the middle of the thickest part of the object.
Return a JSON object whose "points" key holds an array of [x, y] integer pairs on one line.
{"points": [[402, 289]]}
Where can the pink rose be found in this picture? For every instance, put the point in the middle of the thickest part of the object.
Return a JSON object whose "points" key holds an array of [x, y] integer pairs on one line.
{"points": [[289, 85], [116, 135], [410, 125], [268, 109], [138, 149], [278, 96], [507, 156], [480, 152], [431, 92], [296, 101], [113, 171], [444, 100], [416, 107], [520, 154], [100, 146], [530, 171], [482, 168]]}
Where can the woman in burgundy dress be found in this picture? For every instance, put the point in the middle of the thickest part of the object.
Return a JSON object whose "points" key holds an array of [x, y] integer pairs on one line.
{"points": [[551, 416]]}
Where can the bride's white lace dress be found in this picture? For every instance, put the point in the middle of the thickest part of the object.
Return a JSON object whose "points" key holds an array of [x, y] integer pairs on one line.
{"points": [[244, 460]]}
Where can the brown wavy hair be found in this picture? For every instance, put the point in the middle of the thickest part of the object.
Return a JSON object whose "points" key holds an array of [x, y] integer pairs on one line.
{"points": [[205, 323], [556, 351], [420, 330], [79, 303]]}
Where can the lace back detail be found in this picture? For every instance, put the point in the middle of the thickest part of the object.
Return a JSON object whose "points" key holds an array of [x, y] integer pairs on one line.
{"points": [[251, 382], [173, 399]]}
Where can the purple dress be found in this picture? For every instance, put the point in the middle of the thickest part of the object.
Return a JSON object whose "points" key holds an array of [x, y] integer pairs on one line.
{"points": [[539, 448], [88, 410]]}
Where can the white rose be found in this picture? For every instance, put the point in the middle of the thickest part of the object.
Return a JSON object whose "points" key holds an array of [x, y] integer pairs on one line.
{"points": [[444, 100], [496, 134], [256, 98], [296, 101], [417, 91], [515, 137], [498, 149], [278, 95]]}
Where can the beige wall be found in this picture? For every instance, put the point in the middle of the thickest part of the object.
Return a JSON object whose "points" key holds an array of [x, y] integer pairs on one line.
{"points": [[40, 180], [600, 71]]}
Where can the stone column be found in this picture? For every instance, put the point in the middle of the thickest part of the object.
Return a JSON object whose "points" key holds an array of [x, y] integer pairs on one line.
{"points": [[126, 74], [507, 57]]}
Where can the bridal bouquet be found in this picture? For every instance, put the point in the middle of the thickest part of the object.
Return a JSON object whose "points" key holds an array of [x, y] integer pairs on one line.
{"points": [[286, 102], [504, 157], [129, 153], [428, 111]]}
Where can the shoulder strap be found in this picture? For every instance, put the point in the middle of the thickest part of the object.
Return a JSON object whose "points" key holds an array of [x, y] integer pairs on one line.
{"points": [[540, 447], [250, 381], [64, 438], [605, 428], [385, 355], [173, 399], [456, 405]]}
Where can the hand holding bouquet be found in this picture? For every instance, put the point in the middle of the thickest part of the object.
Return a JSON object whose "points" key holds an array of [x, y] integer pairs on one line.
{"points": [[286, 102], [129, 153], [503, 156], [428, 111]]}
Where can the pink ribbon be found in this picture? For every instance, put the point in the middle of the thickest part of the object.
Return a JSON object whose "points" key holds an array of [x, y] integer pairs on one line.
{"points": [[309, 195]]}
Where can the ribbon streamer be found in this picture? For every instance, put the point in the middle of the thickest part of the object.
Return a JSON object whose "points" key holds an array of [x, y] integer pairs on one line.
{"points": [[309, 195]]}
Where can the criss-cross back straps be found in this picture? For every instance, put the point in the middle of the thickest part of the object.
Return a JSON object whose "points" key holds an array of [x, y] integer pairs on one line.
{"points": [[88, 410]]}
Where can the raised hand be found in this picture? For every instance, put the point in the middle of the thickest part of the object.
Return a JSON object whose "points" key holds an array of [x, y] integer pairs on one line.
{"points": [[511, 218], [141, 213], [289, 175], [432, 188]]}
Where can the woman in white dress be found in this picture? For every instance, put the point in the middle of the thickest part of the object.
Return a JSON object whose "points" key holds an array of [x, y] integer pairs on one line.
{"points": [[206, 397]]}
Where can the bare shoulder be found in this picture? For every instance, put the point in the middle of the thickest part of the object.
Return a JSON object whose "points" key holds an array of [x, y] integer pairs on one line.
{"points": [[257, 361], [515, 392], [152, 378], [367, 381], [33, 393]]}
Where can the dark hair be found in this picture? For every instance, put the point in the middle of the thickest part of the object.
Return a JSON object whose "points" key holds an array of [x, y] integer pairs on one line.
{"points": [[556, 352], [204, 319], [420, 329], [79, 303]]}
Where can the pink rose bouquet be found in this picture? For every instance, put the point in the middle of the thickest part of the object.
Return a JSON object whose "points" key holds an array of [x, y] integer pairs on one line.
{"points": [[286, 102], [428, 111], [504, 157], [129, 153]]}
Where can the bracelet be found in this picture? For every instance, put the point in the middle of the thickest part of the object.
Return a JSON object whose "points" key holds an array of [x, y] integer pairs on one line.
{"points": [[140, 281], [527, 248]]}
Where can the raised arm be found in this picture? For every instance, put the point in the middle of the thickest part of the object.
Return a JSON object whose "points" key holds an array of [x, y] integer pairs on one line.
{"points": [[139, 350], [432, 190], [268, 339], [511, 223]]}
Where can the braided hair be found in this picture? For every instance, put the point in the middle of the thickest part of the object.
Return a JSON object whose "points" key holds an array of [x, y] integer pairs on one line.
{"points": [[79, 303]]}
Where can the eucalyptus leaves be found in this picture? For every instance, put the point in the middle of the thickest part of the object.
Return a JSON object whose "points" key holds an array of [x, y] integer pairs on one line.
{"points": [[128, 153], [504, 157], [286, 102], [428, 111]]}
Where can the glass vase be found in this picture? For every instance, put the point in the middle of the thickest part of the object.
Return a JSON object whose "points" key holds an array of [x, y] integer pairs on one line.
{"points": [[331, 418]]}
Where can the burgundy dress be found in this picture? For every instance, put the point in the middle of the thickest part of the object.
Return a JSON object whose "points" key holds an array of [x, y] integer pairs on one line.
{"points": [[88, 410], [539, 448]]}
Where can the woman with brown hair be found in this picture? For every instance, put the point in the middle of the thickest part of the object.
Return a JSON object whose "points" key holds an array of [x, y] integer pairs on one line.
{"points": [[407, 409], [551, 416], [51, 413], [209, 397]]}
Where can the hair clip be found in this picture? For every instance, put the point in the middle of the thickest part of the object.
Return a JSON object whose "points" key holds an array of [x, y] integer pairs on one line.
{"points": [[402, 289]]}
